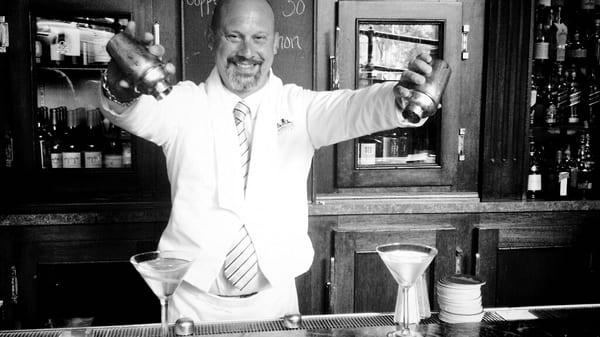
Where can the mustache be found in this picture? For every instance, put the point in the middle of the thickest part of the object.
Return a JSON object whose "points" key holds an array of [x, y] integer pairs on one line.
{"points": [[242, 59]]}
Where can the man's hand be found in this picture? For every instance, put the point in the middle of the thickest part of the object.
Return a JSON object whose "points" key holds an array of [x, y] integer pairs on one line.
{"points": [[118, 83], [418, 69]]}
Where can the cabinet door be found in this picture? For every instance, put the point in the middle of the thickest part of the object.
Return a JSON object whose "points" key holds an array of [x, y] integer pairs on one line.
{"points": [[377, 41], [362, 283], [68, 273], [64, 46], [545, 259]]}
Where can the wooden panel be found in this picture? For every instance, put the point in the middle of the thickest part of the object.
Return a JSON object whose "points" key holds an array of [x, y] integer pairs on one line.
{"points": [[352, 290], [505, 113]]}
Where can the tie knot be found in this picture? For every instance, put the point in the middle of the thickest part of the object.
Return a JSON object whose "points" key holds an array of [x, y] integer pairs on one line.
{"points": [[240, 111]]}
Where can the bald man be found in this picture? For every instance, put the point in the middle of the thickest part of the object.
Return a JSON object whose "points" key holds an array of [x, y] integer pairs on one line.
{"points": [[238, 149]]}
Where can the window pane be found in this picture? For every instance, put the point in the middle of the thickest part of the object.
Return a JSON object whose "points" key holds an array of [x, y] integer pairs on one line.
{"points": [[385, 49]]}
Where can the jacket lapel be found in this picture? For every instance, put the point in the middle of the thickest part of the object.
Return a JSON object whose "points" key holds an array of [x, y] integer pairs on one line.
{"points": [[263, 144], [227, 151]]}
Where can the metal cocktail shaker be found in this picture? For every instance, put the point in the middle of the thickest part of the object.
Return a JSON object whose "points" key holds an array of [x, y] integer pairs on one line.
{"points": [[425, 98], [144, 70]]}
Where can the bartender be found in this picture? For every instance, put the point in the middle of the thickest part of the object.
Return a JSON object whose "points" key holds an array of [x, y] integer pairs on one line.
{"points": [[238, 150]]}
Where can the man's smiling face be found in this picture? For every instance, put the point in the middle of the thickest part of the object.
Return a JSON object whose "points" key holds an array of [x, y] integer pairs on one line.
{"points": [[246, 43]]}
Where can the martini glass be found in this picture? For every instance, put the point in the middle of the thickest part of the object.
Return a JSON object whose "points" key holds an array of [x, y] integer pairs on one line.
{"points": [[406, 262], [163, 272]]}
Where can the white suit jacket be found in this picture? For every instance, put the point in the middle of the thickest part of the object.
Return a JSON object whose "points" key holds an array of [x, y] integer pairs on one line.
{"points": [[195, 127]]}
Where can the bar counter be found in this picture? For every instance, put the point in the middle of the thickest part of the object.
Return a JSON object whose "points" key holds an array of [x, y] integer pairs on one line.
{"points": [[550, 321]]}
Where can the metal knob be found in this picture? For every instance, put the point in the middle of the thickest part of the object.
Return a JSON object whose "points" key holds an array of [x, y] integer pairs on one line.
{"points": [[184, 327], [292, 321]]}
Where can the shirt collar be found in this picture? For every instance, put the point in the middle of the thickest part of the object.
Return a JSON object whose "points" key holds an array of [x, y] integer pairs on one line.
{"points": [[253, 100]]}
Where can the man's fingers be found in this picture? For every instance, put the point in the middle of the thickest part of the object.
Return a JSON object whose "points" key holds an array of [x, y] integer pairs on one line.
{"points": [[420, 66], [425, 56], [130, 29], [148, 38], [412, 77], [156, 50], [170, 68]]}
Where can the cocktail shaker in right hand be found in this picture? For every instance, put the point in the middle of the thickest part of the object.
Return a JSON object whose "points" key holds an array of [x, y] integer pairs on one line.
{"points": [[425, 98], [143, 69]]}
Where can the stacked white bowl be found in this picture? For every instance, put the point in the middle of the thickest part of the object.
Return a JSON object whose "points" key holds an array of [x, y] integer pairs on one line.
{"points": [[459, 299]]}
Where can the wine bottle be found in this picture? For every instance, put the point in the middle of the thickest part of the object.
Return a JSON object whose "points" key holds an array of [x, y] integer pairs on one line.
{"points": [[71, 154], [534, 176], [56, 159], [42, 144], [92, 152]]}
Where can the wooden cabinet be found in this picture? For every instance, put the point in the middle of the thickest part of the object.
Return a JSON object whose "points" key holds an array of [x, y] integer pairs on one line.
{"points": [[44, 84], [73, 271], [538, 259], [360, 280]]}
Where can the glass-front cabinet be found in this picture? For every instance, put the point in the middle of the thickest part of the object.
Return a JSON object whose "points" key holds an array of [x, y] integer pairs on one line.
{"points": [[65, 150], [377, 40]]}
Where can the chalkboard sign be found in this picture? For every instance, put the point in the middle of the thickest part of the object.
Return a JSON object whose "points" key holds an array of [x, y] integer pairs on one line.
{"points": [[293, 20]]}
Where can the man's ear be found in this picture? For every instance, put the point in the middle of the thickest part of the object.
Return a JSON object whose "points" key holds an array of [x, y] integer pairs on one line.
{"points": [[276, 43]]}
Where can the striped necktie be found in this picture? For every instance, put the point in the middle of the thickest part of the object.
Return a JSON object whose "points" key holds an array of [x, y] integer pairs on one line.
{"points": [[241, 263]]}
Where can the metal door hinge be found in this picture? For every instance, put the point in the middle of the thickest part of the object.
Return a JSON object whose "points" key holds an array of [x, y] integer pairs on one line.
{"points": [[464, 55], [461, 144], [330, 285], [14, 285], [3, 34]]}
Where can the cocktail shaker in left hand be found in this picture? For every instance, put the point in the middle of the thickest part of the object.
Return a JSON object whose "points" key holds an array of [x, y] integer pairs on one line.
{"points": [[143, 69], [426, 97]]}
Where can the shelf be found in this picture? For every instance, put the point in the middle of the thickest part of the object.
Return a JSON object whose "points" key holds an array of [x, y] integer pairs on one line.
{"points": [[73, 68]]}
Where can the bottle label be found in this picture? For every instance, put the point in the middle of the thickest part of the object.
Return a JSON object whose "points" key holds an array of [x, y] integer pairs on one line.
{"points": [[93, 159], [534, 182], [56, 160], [563, 182], [544, 2], [113, 161], [541, 50], [578, 53], [551, 114], [43, 154], [71, 159], [8, 152], [390, 147], [126, 154], [367, 154]]}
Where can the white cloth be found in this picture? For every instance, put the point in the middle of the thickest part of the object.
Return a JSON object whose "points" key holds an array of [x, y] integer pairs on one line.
{"points": [[195, 128]]}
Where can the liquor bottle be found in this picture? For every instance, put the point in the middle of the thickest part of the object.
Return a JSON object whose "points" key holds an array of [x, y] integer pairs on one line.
{"points": [[42, 144], [575, 97], [71, 152], [534, 177], [594, 43], [56, 159], [558, 37], [92, 152], [561, 177], [403, 144], [366, 150], [389, 140], [573, 171], [577, 52], [8, 148], [559, 81], [586, 165], [541, 45], [113, 152], [592, 100], [550, 105], [125, 138]]}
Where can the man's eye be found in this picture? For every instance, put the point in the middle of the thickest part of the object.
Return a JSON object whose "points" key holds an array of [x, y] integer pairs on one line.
{"points": [[260, 38], [232, 37]]}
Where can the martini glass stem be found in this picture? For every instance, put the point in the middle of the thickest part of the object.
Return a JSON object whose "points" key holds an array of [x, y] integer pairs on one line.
{"points": [[164, 321], [405, 331]]}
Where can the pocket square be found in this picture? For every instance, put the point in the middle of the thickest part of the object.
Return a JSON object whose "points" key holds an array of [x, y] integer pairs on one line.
{"points": [[283, 123]]}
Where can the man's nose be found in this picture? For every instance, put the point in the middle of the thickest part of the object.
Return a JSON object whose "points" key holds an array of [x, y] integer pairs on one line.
{"points": [[245, 49]]}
